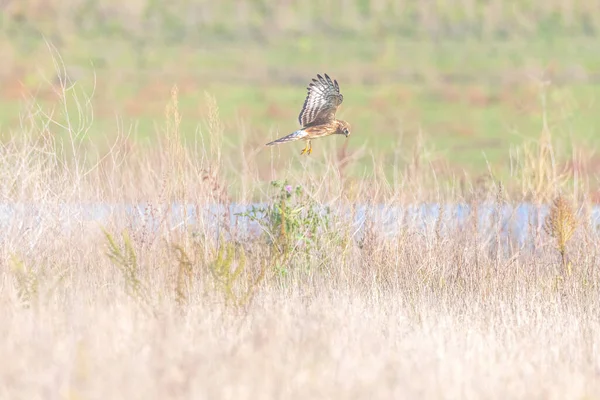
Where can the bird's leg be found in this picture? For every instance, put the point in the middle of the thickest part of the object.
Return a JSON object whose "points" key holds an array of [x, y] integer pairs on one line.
{"points": [[306, 148], [309, 147]]}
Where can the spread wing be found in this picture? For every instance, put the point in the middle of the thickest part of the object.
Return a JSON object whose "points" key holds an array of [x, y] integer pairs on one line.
{"points": [[321, 102]]}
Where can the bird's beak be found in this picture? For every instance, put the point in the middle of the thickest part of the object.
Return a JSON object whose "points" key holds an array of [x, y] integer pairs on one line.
{"points": [[347, 134]]}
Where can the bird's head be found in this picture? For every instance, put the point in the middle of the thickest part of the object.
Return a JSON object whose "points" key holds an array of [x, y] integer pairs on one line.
{"points": [[344, 128]]}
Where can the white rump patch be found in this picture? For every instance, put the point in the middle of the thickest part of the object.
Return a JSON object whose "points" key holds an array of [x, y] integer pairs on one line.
{"points": [[299, 134]]}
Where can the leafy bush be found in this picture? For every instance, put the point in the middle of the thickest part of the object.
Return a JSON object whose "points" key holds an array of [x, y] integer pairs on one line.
{"points": [[292, 222]]}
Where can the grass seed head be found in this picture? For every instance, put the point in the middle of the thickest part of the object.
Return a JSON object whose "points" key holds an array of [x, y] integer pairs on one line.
{"points": [[561, 223]]}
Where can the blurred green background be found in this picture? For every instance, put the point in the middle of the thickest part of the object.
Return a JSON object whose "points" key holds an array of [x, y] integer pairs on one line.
{"points": [[469, 77]]}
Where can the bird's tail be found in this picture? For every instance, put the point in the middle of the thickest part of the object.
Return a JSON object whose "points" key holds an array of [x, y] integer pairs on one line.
{"points": [[299, 134]]}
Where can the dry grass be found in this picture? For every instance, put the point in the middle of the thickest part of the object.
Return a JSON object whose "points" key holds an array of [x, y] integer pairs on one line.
{"points": [[560, 225], [311, 307]]}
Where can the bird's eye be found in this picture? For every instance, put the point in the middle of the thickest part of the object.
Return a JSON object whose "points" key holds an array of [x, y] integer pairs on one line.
{"points": [[345, 130]]}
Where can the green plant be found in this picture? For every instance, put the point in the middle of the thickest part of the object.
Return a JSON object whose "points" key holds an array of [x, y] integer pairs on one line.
{"points": [[228, 270], [126, 260], [291, 220], [184, 276], [27, 281]]}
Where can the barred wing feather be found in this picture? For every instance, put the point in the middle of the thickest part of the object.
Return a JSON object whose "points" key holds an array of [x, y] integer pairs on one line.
{"points": [[321, 103]]}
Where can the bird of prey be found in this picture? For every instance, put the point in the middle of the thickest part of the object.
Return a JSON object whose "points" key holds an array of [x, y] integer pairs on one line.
{"points": [[317, 118]]}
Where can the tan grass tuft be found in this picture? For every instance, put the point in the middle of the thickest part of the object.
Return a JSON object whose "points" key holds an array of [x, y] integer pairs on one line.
{"points": [[560, 224]]}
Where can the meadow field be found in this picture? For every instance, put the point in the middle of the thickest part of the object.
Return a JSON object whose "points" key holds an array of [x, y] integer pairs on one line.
{"points": [[152, 247]]}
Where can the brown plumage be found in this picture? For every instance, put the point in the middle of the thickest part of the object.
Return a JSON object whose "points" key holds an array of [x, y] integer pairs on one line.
{"points": [[317, 118]]}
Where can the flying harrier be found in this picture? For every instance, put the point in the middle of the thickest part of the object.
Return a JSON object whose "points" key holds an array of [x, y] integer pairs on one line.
{"points": [[317, 118]]}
